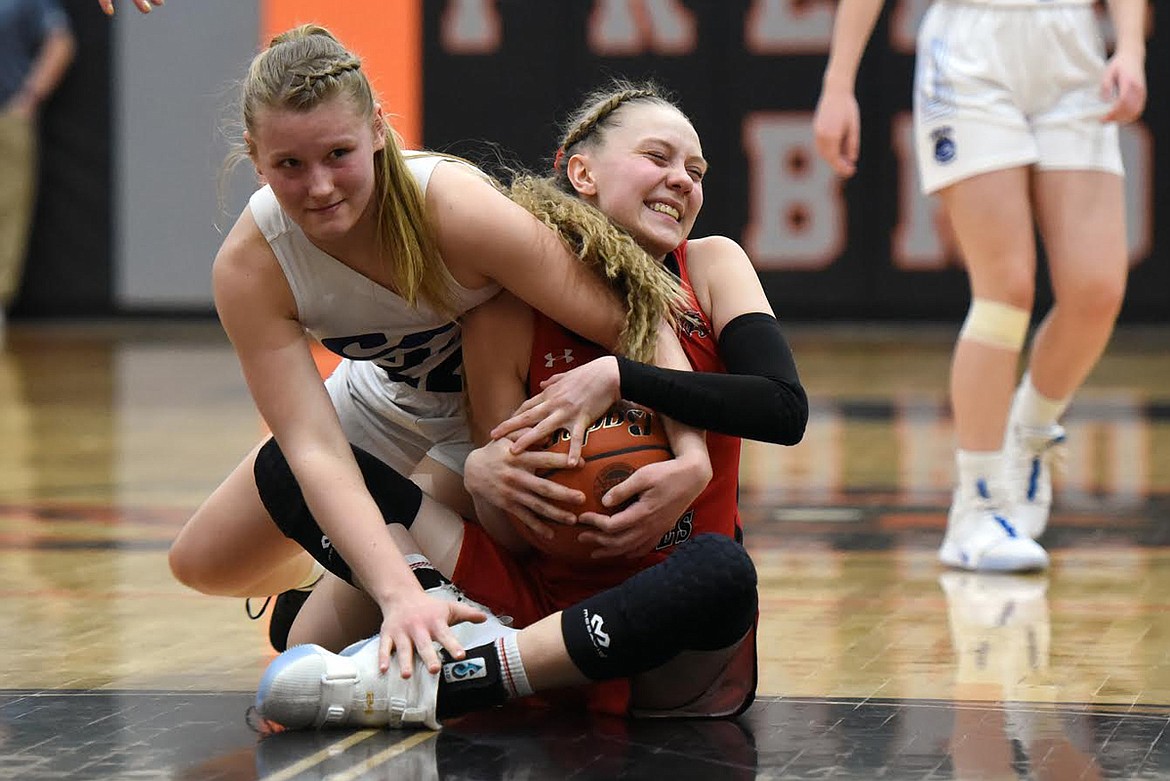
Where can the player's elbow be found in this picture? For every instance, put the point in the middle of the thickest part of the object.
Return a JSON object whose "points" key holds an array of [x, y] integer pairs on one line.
{"points": [[791, 416]]}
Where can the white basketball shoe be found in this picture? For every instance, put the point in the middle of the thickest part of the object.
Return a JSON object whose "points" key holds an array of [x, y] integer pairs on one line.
{"points": [[1030, 455], [307, 686], [980, 537]]}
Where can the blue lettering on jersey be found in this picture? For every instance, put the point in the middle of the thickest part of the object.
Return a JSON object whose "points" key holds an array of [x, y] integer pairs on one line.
{"points": [[428, 360], [375, 346]]}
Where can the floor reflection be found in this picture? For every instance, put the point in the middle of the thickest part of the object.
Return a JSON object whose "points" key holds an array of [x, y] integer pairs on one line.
{"points": [[873, 661]]}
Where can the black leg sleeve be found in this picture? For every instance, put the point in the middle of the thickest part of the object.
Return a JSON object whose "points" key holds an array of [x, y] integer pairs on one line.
{"points": [[396, 496], [701, 598]]}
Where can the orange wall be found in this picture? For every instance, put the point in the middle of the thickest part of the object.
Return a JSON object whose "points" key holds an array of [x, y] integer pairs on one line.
{"points": [[386, 34]]}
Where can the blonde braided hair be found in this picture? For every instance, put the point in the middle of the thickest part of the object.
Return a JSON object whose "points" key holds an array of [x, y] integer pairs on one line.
{"points": [[652, 294], [587, 125], [301, 69]]}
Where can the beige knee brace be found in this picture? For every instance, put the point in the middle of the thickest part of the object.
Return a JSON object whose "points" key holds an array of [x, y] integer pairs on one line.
{"points": [[996, 324]]}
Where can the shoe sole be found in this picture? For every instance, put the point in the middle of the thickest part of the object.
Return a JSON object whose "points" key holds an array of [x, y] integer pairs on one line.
{"points": [[991, 564]]}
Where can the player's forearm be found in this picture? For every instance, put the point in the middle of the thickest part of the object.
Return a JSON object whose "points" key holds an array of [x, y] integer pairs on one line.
{"points": [[690, 447], [852, 26], [499, 527], [339, 500], [753, 407], [1129, 23], [761, 396]]}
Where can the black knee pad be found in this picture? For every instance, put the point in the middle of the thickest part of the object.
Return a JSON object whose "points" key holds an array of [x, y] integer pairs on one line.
{"points": [[701, 598], [396, 496]]}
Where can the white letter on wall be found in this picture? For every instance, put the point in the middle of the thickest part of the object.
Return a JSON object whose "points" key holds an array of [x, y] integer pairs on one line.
{"points": [[796, 215], [471, 27], [624, 28]]}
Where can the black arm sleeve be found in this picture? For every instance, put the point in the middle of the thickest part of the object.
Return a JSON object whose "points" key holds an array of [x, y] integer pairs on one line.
{"points": [[759, 398]]}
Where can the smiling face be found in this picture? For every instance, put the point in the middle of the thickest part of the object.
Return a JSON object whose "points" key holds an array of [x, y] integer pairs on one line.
{"points": [[319, 163], [645, 171]]}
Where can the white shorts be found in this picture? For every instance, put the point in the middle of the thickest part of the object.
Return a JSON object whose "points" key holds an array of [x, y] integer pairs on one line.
{"points": [[999, 87], [396, 423]]}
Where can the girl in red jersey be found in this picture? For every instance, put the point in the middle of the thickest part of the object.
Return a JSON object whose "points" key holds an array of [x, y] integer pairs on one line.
{"points": [[674, 633]]}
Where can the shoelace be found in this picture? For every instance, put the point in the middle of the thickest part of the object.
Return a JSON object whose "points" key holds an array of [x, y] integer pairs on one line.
{"points": [[258, 614], [993, 508], [461, 597], [260, 725], [985, 504], [1055, 453], [1044, 448]]}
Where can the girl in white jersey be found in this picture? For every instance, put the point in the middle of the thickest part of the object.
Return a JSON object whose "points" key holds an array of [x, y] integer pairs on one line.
{"points": [[1015, 113], [375, 253]]}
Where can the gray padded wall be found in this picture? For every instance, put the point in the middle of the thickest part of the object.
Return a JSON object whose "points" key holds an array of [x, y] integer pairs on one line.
{"points": [[174, 72]]}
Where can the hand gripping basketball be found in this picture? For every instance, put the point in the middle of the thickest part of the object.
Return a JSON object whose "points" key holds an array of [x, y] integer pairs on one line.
{"points": [[616, 444]]}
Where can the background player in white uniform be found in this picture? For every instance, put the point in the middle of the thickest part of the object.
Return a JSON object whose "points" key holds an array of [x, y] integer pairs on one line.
{"points": [[1015, 112], [377, 257]]}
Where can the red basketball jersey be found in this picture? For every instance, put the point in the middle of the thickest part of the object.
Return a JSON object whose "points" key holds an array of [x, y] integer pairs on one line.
{"points": [[556, 349], [718, 505], [535, 586]]}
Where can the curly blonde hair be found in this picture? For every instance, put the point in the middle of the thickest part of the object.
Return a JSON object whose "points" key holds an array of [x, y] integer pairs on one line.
{"points": [[652, 294]]}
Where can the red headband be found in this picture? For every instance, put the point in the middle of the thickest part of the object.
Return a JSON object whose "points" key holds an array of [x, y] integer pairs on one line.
{"points": [[558, 158]]}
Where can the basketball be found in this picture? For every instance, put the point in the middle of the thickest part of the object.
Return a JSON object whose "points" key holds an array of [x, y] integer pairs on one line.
{"points": [[616, 444]]}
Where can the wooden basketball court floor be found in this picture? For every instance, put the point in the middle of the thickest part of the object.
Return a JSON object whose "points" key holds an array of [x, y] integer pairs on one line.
{"points": [[874, 661]]}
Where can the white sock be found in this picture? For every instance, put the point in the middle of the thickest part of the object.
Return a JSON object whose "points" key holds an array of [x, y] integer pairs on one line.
{"points": [[428, 576], [512, 673], [1030, 408], [973, 466], [415, 560]]}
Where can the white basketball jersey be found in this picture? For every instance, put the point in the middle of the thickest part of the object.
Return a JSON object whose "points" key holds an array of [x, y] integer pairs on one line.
{"points": [[358, 319]]}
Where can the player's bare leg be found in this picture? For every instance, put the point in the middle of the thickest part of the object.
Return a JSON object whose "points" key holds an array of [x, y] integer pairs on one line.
{"points": [[1081, 215], [992, 219], [231, 547]]}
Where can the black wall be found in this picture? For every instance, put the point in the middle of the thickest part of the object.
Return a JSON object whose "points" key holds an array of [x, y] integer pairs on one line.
{"points": [[69, 268], [513, 89]]}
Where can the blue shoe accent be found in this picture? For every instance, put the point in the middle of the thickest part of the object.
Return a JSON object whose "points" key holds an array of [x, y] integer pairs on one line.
{"points": [[984, 538], [981, 487], [1007, 526], [1033, 479], [277, 666]]}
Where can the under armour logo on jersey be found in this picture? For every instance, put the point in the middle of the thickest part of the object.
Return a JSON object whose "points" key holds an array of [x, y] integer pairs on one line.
{"points": [[550, 359], [325, 543]]}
